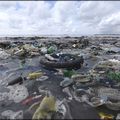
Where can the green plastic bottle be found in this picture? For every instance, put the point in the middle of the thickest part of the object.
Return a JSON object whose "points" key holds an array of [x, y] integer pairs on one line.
{"points": [[51, 49], [68, 73]]}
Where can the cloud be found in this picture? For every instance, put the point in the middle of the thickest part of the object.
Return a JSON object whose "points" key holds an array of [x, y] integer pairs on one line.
{"points": [[59, 17], [110, 24]]}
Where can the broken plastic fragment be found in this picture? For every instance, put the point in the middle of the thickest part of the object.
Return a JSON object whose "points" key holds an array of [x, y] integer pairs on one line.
{"points": [[9, 114], [66, 82], [42, 78], [106, 116], [34, 75], [45, 109]]}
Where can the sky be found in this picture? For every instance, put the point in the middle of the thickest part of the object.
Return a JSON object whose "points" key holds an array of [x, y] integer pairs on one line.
{"points": [[59, 17]]}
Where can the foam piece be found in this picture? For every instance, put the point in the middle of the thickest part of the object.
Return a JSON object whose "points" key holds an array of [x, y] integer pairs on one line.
{"points": [[9, 114], [18, 93]]}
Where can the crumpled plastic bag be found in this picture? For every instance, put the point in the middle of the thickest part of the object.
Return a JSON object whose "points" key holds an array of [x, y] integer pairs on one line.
{"points": [[34, 75], [3, 54], [46, 108]]}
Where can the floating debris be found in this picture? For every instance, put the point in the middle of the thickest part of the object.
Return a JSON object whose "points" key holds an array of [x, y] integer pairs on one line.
{"points": [[9, 114], [34, 75], [17, 115], [82, 73], [61, 109], [96, 101], [42, 78], [110, 93], [65, 61], [34, 106], [15, 81], [118, 116], [3, 96], [80, 78], [46, 108], [66, 82], [51, 49], [114, 76], [68, 73], [18, 93], [115, 105], [30, 98], [49, 57], [68, 92], [43, 50], [3, 54], [106, 116]]}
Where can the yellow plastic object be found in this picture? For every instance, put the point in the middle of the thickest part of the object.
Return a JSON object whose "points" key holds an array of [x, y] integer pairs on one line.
{"points": [[45, 109], [34, 75], [104, 116]]}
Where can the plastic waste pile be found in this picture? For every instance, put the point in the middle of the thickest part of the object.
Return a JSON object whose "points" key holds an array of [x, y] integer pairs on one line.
{"points": [[59, 79]]}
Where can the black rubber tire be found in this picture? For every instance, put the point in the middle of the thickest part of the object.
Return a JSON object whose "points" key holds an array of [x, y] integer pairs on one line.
{"points": [[69, 64]]}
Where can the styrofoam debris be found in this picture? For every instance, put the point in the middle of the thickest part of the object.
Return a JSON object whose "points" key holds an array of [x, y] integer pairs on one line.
{"points": [[114, 60], [9, 114], [3, 54], [18, 93], [43, 50], [118, 116], [3, 96], [17, 115]]}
